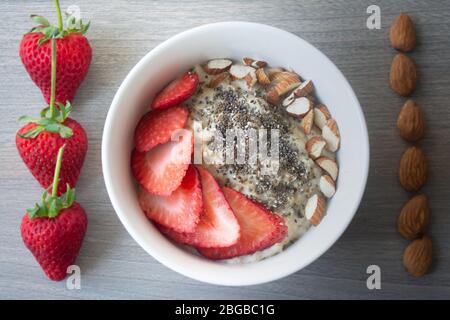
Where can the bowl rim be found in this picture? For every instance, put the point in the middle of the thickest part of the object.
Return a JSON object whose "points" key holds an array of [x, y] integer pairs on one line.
{"points": [[268, 277]]}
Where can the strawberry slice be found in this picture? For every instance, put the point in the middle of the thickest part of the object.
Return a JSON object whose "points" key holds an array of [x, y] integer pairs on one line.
{"points": [[177, 91], [260, 228], [218, 226], [161, 170], [157, 126], [181, 210]]}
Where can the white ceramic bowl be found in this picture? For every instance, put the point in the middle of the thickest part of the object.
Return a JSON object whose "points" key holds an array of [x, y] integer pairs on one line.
{"points": [[234, 40]]}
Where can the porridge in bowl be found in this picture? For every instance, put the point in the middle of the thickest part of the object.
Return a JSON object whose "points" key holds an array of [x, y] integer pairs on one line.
{"points": [[236, 159]]}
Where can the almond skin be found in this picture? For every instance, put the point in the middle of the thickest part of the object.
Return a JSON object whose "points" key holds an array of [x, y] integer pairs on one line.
{"points": [[410, 122], [285, 82], [321, 115], [218, 79], [414, 217], [315, 209], [272, 72], [307, 122], [315, 146], [403, 76], [403, 33], [272, 96], [262, 77], [413, 170], [329, 165], [330, 132], [418, 256]]}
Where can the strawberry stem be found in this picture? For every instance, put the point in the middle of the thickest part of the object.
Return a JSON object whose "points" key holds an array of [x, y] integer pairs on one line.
{"points": [[53, 80], [57, 170], [58, 12]]}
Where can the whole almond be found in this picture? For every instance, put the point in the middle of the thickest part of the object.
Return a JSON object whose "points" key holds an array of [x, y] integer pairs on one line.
{"points": [[418, 256], [410, 122], [413, 170], [414, 217], [403, 76], [403, 33]]}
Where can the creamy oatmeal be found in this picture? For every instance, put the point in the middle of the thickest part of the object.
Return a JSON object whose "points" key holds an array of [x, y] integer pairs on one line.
{"points": [[232, 104]]}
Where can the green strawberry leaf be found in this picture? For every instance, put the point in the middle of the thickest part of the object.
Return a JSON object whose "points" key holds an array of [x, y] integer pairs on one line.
{"points": [[52, 127], [85, 28], [65, 132], [33, 133], [27, 119], [44, 196], [43, 39], [71, 22], [44, 123], [32, 212], [40, 20], [51, 206], [68, 197], [44, 112]]}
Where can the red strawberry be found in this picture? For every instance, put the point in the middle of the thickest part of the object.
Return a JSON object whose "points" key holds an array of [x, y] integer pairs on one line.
{"points": [[73, 62], [157, 126], [181, 210], [39, 153], [177, 91], [218, 226], [55, 242], [260, 228], [161, 170], [54, 229]]}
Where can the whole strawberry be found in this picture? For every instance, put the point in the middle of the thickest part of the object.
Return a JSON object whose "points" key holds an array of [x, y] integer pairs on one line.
{"points": [[74, 57], [39, 140], [54, 229]]}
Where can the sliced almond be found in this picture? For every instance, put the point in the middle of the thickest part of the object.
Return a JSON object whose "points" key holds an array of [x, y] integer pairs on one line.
{"points": [[315, 146], [254, 63], [214, 82], [217, 66], [330, 132], [307, 122], [288, 100], [262, 77], [315, 209], [327, 186], [300, 107], [329, 165], [304, 89], [321, 115], [241, 72]]}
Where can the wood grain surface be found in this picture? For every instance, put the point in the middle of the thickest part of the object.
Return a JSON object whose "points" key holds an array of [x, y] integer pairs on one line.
{"points": [[114, 266]]}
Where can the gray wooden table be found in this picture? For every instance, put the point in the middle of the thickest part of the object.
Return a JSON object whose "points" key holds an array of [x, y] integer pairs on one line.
{"points": [[114, 266]]}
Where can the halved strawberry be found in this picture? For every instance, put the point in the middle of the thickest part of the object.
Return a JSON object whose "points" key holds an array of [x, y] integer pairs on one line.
{"points": [[161, 170], [260, 228], [179, 211], [218, 226], [157, 126], [177, 91]]}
